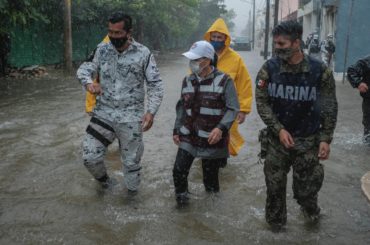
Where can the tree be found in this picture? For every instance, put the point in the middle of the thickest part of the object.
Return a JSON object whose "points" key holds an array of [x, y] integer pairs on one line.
{"points": [[228, 17], [159, 24], [19, 12], [208, 12], [67, 36]]}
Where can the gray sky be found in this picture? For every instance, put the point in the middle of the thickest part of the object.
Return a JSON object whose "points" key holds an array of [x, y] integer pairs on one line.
{"points": [[241, 8]]}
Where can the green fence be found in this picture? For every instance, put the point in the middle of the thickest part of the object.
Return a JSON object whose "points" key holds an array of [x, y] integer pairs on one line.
{"points": [[41, 44]]}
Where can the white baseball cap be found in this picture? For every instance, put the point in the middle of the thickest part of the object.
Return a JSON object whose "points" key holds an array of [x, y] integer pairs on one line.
{"points": [[200, 49]]}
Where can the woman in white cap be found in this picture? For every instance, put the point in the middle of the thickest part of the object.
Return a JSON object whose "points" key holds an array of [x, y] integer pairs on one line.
{"points": [[205, 112]]}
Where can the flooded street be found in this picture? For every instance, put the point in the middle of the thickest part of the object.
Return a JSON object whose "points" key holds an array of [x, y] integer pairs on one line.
{"points": [[48, 197]]}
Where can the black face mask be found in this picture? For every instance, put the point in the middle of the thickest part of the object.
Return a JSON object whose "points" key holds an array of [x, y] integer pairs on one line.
{"points": [[285, 53], [118, 42]]}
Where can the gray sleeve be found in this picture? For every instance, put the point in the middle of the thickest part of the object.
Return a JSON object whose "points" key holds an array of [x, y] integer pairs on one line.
{"points": [[180, 116], [232, 106], [88, 70], [154, 83]]}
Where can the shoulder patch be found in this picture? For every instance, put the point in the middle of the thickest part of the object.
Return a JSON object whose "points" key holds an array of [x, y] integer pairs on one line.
{"points": [[261, 83]]}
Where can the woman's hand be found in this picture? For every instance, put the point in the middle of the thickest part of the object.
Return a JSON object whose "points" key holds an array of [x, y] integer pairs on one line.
{"points": [[215, 136], [176, 139]]}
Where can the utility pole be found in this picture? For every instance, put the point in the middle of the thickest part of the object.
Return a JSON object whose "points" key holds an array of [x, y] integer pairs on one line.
{"points": [[254, 23], [276, 13], [267, 29], [67, 36], [347, 41], [276, 21]]}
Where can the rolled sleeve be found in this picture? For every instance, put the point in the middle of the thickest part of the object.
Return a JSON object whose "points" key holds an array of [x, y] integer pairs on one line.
{"points": [[88, 70], [329, 107]]}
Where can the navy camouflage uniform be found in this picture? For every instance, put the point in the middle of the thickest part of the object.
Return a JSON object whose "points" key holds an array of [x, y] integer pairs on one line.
{"points": [[119, 110], [300, 99]]}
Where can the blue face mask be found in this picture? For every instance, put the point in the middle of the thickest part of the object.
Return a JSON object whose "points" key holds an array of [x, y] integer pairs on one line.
{"points": [[217, 45]]}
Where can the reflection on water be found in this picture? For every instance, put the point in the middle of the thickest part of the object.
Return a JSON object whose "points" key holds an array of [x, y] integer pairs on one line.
{"points": [[47, 196], [349, 141]]}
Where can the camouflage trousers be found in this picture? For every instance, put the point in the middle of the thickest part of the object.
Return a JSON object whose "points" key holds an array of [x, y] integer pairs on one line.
{"points": [[100, 134], [308, 176]]}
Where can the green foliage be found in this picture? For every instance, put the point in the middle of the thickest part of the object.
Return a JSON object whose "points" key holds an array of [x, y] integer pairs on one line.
{"points": [[158, 23], [19, 12], [209, 11]]}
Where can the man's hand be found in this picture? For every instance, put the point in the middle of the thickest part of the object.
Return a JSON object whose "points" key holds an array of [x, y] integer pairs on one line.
{"points": [[176, 139], [147, 122], [215, 136], [363, 88], [324, 151], [241, 117], [286, 139], [94, 88]]}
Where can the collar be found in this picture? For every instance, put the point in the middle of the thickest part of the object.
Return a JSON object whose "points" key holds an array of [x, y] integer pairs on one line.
{"points": [[302, 67], [132, 47], [211, 75]]}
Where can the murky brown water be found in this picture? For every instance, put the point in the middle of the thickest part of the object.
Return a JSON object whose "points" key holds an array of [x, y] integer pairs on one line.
{"points": [[47, 196]]}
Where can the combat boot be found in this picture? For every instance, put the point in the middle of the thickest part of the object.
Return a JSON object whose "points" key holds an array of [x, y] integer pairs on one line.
{"points": [[106, 182], [311, 215]]}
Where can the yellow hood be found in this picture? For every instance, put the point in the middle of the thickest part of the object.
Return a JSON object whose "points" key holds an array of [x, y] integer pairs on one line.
{"points": [[220, 26]]}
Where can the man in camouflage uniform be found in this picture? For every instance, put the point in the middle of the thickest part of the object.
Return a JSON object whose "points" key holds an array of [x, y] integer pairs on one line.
{"points": [[327, 50], [296, 99], [359, 77], [123, 66]]}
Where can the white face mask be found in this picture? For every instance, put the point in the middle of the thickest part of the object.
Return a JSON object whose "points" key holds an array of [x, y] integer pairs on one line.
{"points": [[195, 67]]}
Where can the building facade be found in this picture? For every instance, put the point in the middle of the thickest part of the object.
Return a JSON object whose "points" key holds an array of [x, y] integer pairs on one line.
{"points": [[288, 10]]}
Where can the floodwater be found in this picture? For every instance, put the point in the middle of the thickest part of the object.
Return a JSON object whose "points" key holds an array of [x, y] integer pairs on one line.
{"points": [[48, 197]]}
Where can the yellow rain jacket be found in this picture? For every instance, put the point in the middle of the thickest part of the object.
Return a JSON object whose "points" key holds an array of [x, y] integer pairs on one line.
{"points": [[91, 98], [232, 64]]}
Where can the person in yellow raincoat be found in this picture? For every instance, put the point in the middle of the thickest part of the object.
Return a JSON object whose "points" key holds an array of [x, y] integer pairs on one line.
{"points": [[232, 64], [91, 98]]}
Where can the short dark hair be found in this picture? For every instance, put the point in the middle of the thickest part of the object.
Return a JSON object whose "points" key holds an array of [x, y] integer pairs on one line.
{"points": [[289, 28], [120, 16]]}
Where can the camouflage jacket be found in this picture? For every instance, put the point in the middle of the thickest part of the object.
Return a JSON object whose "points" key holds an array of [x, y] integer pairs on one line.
{"points": [[327, 98], [122, 77]]}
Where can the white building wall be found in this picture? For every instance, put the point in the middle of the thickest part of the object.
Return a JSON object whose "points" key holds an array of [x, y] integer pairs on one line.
{"points": [[328, 25], [309, 16]]}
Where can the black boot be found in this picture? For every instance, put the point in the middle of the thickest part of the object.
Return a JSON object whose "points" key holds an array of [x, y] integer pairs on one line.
{"points": [[210, 175], [182, 199], [366, 138], [107, 182], [312, 215]]}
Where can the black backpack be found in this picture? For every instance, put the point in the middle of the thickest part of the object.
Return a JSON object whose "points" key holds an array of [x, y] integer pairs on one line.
{"points": [[330, 47]]}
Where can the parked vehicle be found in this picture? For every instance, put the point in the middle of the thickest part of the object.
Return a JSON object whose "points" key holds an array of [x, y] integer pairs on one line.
{"points": [[242, 44]]}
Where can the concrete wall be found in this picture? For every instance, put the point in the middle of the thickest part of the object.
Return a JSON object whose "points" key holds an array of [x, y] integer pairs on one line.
{"points": [[286, 7], [328, 22], [359, 33], [308, 15]]}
